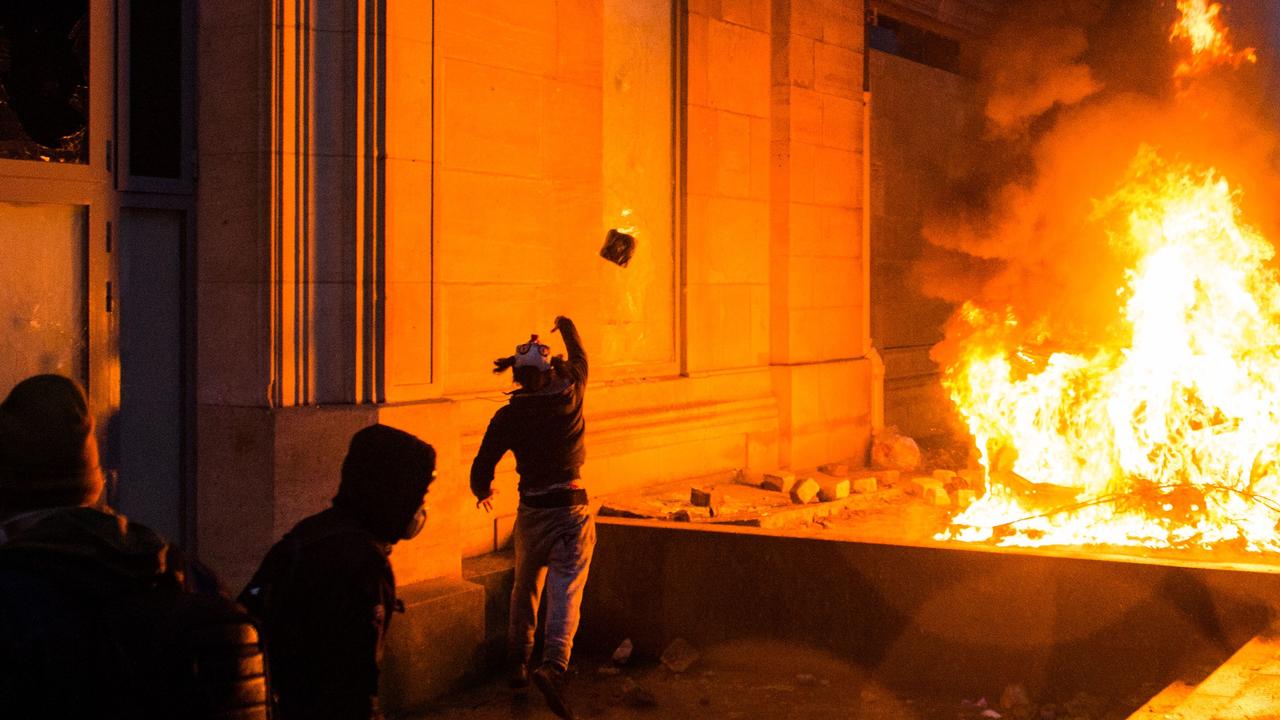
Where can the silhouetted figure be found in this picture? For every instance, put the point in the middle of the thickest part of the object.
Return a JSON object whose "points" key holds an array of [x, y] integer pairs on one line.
{"points": [[554, 533], [325, 593], [94, 618]]}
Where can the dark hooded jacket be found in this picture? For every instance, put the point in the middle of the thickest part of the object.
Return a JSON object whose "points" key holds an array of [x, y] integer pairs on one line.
{"points": [[326, 592], [543, 429], [82, 592]]}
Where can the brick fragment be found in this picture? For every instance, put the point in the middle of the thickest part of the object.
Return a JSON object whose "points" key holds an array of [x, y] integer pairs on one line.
{"points": [[829, 490], [964, 497], [779, 480], [936, 495], [865, 485], [805, 491], [943, 475], [917, 485], [838, 470]]}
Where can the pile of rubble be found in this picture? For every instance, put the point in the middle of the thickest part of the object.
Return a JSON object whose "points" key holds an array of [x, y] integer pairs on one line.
{"points": [[786, 498]]}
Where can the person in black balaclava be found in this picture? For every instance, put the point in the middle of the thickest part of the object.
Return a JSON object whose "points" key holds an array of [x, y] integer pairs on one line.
{"points": [[325, 592]]}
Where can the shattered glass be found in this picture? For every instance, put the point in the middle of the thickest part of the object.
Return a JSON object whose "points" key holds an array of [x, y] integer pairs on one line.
{"points": [[44, 80]]}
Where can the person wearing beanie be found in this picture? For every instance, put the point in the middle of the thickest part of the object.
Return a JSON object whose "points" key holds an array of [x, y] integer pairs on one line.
{"points": [[325, 593], [555, 535], [93, 607]]}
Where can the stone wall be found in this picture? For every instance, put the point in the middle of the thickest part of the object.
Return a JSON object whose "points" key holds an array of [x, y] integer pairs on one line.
{"points": [[395, 192]]}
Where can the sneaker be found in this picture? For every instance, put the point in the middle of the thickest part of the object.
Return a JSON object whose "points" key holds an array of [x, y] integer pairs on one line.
{"points": [[519, 677], [551, 681]]}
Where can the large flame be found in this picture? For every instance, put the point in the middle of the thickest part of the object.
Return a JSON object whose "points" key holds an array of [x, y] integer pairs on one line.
{"points": [[1169, 437], [1198, 24]]}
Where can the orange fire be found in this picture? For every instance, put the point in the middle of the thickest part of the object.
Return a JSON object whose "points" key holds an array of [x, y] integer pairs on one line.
{"points": [[1168, 433], [1198, 24]]}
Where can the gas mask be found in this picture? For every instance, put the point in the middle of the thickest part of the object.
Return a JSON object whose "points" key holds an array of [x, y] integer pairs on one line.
{"points": [[415, 524], [533, 353]]}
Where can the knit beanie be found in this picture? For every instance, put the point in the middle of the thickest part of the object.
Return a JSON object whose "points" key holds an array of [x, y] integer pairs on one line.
{"points": [[384, 476], [48, 454]]}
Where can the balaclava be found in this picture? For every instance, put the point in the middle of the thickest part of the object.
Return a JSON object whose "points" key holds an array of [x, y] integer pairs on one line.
{"points": [[48, 454], [384, 476]]}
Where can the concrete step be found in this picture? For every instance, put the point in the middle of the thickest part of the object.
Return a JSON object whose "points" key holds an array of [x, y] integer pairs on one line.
{"points": [[495, 573], [1245, 687]]}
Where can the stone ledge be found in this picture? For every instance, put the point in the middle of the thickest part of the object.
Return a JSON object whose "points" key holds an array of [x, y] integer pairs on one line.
{"points": [[433, 647]]}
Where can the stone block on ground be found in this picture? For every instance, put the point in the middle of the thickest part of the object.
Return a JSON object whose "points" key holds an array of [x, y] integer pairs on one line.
{"points": [[679, 656], [891, 450], [710, 498], [944, 476], [778, 480], [837, 470], [805, 491], [964, 497], [917, 485], [936, 495], [865, 485], [623, 653], [888, 478], [830, 489]]}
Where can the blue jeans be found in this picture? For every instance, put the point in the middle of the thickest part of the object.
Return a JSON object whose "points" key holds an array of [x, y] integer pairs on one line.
{"points": [[553, 548]]}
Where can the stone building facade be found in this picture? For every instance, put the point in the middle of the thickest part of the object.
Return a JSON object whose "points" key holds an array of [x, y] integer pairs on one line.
{"points": [[283, 220]]}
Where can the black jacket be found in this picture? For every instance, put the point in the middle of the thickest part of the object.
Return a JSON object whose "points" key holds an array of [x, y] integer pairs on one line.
{"points": [[324, 595], [544, 429], [95, 622]]}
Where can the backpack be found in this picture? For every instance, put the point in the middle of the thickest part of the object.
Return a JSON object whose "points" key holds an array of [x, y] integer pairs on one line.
{"points": [[86, 643]]}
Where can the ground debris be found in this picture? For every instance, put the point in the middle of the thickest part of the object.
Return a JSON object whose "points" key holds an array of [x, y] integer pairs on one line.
{"points": [[891, 450], [806, 680], [679, 656], [635, 695], [608, 670], [1014, 696], [623, 654]]}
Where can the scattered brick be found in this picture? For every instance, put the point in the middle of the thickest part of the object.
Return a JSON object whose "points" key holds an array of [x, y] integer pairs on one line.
{"points": [[964, 497], [679, 656], [936, 495], [865, 485], [944, 475], [838, 470], [917, 485], [779, 480], [833, 490], [805, 491]]}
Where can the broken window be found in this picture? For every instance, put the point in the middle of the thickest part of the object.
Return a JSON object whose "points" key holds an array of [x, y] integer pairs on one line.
{"points": [[44, 80], [42, 300]]}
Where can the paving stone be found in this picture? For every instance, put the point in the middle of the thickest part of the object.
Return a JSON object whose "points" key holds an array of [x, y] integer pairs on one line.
{"points": [[829, 490], [805, 491], [936, 495], [917, 485], [679, 655], [838, 470], [779, 480], [865, 485], [623, 652], [711, 498]]}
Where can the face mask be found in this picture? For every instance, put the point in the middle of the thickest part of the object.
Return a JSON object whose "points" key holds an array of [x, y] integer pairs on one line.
{"points": [[415, 524]]}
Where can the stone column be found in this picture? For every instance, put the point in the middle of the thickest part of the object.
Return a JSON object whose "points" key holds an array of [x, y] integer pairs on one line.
{"points": [[819, 339], [314, 268]]}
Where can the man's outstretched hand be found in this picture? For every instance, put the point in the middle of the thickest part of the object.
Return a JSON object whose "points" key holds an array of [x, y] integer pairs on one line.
{"points": [[561, 323], [486, 502]]}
